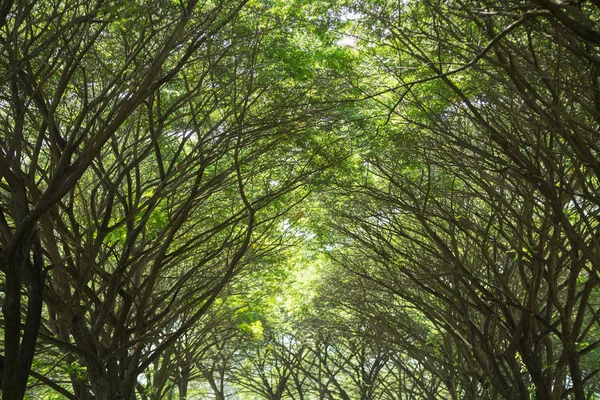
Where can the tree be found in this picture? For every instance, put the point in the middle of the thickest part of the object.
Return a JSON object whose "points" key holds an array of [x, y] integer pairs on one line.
{"points": [[143, 145], [171, 172], [59, 117], [488, 227]]}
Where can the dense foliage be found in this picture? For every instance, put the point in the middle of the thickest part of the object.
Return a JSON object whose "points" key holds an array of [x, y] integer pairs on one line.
{"points": [[260, 199]]}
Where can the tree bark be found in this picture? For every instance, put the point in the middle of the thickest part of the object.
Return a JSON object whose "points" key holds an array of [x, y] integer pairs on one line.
{"points": [[184, 381]]}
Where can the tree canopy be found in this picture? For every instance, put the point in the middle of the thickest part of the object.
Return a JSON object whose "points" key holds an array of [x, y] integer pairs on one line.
{"points": [[266, 199]]}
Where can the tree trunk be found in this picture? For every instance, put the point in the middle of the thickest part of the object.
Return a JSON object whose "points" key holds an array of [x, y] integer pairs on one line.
{"points": [[12, 324], [183, 382], [19, 351]]}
